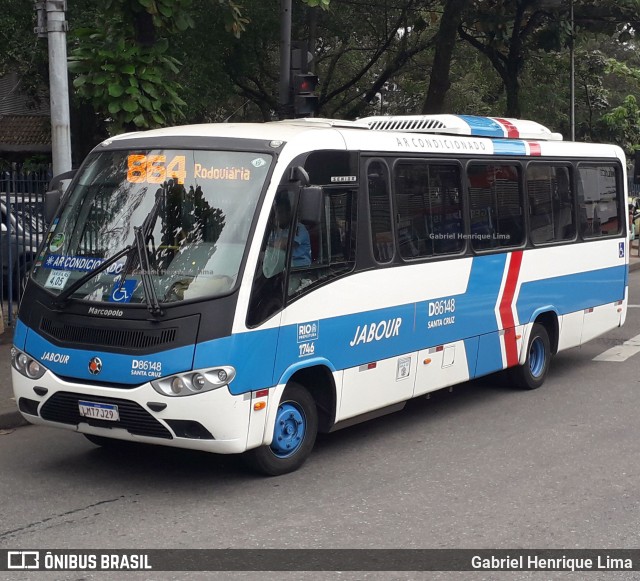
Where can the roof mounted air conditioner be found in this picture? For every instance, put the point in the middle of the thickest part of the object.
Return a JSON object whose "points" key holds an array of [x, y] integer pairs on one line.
{"points": [[495, 127]]}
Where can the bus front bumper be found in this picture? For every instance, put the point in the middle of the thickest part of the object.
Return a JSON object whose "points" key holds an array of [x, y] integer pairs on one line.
{"points": [[213, 421]]}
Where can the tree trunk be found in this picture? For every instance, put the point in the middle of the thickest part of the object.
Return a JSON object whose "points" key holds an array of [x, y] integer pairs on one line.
{"points": [[439, 82], [512, 88]]}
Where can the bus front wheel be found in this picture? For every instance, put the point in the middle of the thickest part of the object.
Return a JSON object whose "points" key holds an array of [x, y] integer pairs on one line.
{"points": [[532, 374], [294, 434]]}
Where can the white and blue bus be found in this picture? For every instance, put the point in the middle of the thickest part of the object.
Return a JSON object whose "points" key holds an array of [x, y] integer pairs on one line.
{"points": [[236, 288]]}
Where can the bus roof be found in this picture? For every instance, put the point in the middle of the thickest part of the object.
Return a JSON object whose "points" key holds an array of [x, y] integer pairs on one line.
{"points": [[463, 125], [444, 134]]}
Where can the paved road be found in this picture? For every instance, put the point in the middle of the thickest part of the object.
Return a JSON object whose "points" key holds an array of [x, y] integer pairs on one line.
{"points": [[482, 467]]}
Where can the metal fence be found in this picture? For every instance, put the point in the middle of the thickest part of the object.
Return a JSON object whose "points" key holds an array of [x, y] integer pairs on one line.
{"points": [[22, 231]]}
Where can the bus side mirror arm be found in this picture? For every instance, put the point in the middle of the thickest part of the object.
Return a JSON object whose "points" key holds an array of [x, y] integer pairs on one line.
{"points": [[299, 174]]}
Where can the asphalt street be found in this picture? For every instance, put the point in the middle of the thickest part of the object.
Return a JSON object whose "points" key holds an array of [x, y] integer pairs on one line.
{"points": [[481, 467]]}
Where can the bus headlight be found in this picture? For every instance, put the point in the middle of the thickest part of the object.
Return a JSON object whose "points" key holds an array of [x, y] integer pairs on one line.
{"points": [[193, 382], [26, 365]]}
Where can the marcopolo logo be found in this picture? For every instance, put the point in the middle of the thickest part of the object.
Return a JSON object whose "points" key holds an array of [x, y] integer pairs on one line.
{"points": [[105, 312], [308, 331]]}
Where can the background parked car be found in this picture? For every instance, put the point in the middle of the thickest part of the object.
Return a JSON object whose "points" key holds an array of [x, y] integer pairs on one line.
{"points": [[634, 213], [22, 229]]}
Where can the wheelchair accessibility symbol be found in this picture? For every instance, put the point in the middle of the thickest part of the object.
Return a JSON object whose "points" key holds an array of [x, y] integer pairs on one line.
{"points": [[123, 293]]}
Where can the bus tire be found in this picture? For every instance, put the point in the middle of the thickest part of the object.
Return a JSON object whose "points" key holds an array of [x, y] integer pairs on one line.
{"points": [[294, 434], [532, 374]]}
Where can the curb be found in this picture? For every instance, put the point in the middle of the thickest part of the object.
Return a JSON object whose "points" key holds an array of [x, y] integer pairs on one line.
{"points": [[12, 419]]}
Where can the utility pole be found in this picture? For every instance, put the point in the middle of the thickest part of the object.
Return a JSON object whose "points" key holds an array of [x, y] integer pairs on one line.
{"points": [[285, 59], [54, 28], [572, 74]]}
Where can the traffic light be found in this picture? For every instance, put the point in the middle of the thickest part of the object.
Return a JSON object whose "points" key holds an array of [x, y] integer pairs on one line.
{"points": [[305, 102]]}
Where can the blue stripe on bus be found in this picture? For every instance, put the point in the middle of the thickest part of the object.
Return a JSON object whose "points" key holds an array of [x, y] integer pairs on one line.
{"points": [[116, 368], [510, 147], [471, 349], [572, 292], [489, 354], [483, 126], [261, 357], [20, 335]]}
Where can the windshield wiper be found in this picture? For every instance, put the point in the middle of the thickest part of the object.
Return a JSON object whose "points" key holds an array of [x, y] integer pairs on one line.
{"points": [[142, 235], [147, 282]]}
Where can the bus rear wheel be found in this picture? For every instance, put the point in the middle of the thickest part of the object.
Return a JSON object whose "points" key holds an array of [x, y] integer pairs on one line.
{"points": [[294, 434], [532, 374]]}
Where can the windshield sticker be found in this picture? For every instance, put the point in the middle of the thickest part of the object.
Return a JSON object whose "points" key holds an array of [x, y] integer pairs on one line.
{"points": [[57, 279], [80, 263], [123, 292], [258, 162], [56, 242]]}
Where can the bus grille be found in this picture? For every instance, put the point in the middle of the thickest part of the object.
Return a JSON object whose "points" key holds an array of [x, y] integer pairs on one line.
{"points": [[124, 338], [63, 407]]}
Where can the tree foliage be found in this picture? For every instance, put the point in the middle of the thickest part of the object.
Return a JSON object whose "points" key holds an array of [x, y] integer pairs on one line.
{"points": [[146, 63], [122, 66]]}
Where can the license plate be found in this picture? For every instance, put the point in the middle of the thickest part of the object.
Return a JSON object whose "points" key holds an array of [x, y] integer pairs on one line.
{"points": [[99, 411]]}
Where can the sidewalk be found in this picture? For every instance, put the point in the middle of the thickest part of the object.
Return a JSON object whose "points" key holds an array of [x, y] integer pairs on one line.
{"points": [[10, 417]]}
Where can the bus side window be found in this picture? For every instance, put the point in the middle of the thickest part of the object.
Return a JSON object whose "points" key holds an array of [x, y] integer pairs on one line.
{"points": [[332, 242], [598, 200], [267, 294], [382, 242], [550, 203], [497, 219], [429, 207]]}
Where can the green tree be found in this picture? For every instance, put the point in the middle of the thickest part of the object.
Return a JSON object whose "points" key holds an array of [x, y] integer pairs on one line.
{"points": [[361, 51], [122, 66]]}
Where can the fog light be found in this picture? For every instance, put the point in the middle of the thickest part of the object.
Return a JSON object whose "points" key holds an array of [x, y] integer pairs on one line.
{"points": [[222, 375], [198, 381], [177, 385]]}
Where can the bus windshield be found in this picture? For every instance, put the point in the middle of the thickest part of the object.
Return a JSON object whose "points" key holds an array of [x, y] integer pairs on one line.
{"points": [[184, 215]]}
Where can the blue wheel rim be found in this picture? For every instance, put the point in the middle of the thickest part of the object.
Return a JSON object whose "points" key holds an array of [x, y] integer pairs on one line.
{"points": [[288, 434], [537, 357]]}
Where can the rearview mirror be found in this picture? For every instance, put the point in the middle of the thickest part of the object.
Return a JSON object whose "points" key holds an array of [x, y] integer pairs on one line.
{"points": [[310, 204], [57, 186]]}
